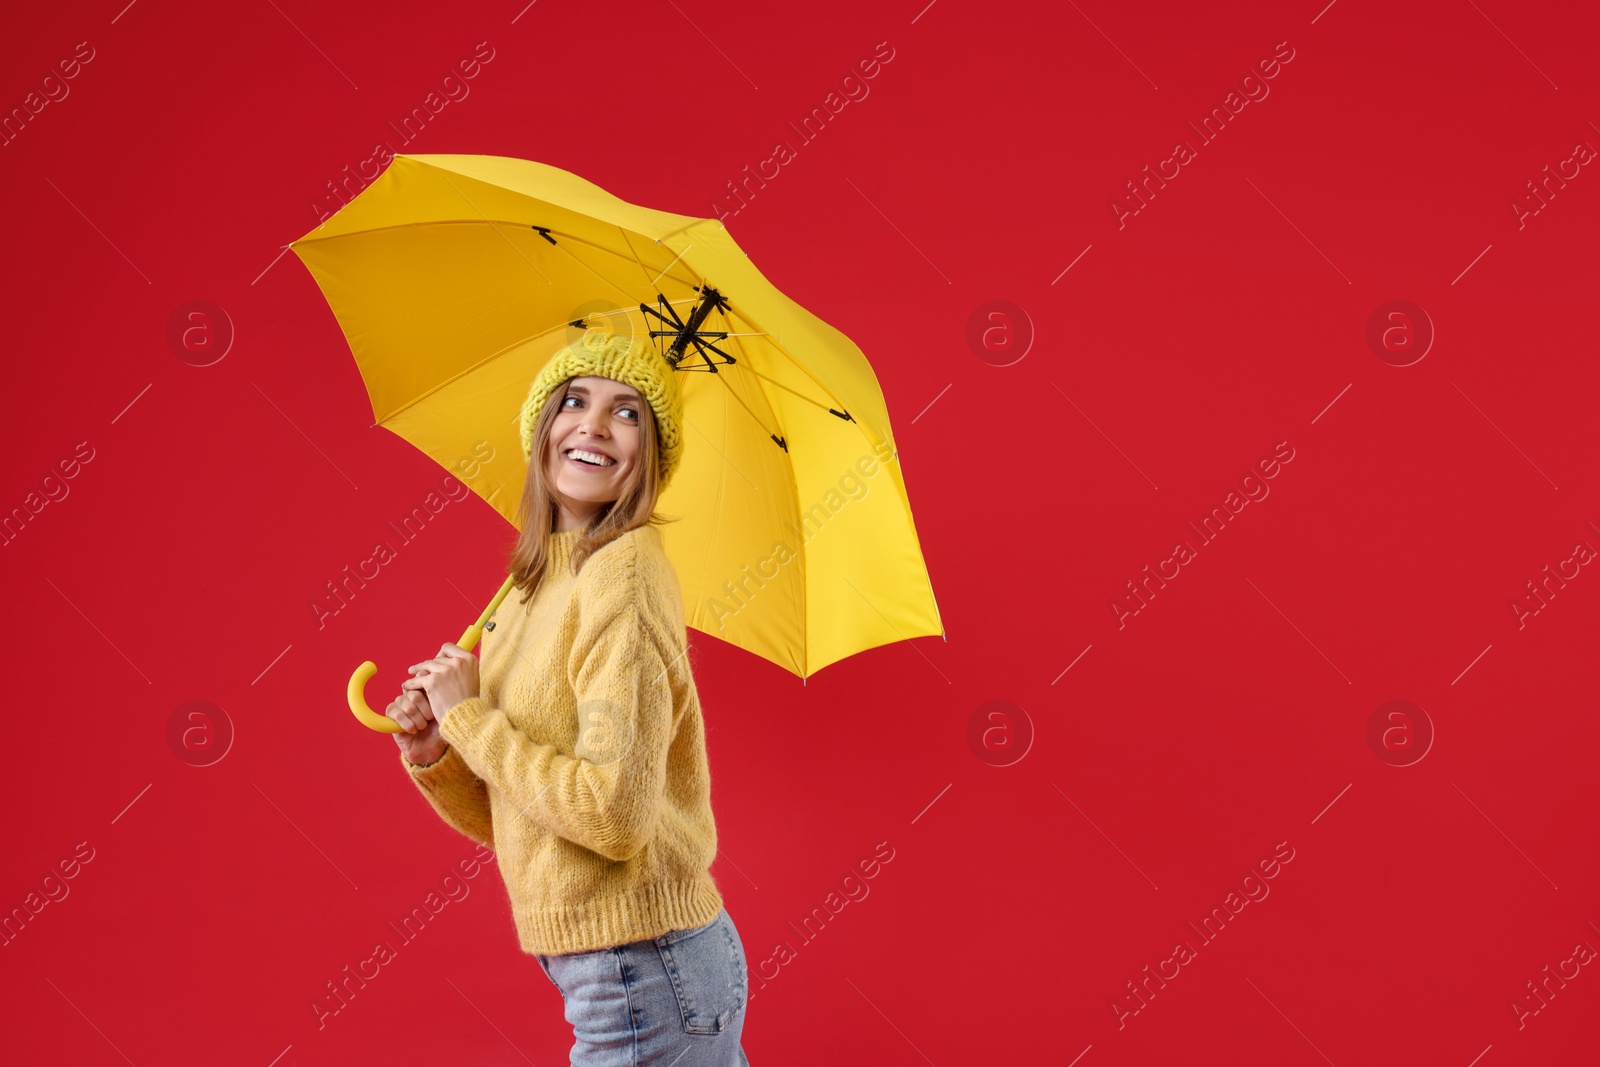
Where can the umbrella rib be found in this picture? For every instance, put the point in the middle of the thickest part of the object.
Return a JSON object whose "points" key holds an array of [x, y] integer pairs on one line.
{"points": [[496, 355], [496, 230], [635, 307], [716, 521], [608, 251], [780, 385], [680, 229], [485, 361], [513, 223], [482, 221], [805, 600], [591, 270], [790, 356], [734, 393], [749, 365], [635, 255], [655, 282], [402, 226], [510, 347], [586, 241]]}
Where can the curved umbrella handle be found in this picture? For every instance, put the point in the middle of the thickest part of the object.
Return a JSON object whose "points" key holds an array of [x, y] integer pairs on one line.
{"points": [[358, 681]]}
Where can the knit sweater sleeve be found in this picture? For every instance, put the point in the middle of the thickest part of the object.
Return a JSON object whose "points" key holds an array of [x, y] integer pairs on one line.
{"points": [[607, 795], [460, 797]]}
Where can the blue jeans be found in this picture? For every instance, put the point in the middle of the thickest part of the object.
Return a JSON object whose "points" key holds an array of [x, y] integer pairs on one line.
{"points": [[677, 1000]]}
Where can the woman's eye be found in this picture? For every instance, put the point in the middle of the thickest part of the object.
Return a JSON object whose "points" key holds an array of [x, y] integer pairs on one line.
{"points": [[632, 412]]}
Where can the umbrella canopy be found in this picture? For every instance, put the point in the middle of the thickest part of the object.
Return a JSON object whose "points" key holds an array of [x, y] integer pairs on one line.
{"points": [[455, 278]]}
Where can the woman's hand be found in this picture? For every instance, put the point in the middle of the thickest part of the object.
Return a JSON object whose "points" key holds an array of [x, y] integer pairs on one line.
{"points": [[448, 678], [419, 738]]}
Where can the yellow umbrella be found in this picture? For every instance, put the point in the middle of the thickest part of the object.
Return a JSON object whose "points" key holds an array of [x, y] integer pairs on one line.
{"points": [[455, 278]]}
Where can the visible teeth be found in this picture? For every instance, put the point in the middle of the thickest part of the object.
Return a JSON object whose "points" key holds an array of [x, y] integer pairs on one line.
{"points": [[590, 457]]}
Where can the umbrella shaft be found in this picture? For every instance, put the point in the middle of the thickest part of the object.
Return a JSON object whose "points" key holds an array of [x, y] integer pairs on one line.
{"points": [[709, 300]]}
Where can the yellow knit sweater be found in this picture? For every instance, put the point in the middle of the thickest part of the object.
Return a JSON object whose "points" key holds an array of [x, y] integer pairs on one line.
{"points": [[582, 762]]}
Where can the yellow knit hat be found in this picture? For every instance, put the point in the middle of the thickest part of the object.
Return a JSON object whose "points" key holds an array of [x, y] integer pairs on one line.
{"points": [[603, 353]]}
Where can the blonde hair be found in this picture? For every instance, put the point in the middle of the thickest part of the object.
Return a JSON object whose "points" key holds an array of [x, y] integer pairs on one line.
{"points": [[539, 511]]}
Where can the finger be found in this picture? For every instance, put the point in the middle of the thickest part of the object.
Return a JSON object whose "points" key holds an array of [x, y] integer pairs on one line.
{"points": [[402, 714], [414, 696]]}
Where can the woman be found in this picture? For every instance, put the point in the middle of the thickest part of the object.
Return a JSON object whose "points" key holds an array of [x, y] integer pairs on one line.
{"points": [[581, 759]]}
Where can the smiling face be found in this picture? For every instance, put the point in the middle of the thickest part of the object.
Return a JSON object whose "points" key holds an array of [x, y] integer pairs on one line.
{"points": [[593, 448]]}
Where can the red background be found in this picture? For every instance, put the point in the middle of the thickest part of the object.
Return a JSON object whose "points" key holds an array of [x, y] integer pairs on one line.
{"points": [[1229, 715]]}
